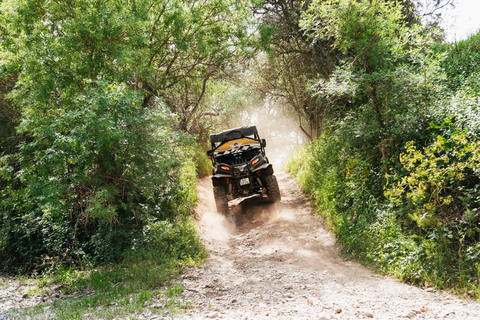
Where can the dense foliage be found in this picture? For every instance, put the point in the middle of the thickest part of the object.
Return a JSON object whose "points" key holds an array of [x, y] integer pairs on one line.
{"points": [[395, 171], [105, 107], [104, 95]]}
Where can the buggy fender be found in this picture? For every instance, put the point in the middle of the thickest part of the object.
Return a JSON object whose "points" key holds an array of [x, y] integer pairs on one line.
{"points": [[219, 179], [267, 169]]}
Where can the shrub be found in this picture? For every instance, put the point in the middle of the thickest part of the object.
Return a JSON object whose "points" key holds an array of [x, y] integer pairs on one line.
{"points": [[90, 179], [203, 165], [428, 233], [438, 197], [169, 240]]}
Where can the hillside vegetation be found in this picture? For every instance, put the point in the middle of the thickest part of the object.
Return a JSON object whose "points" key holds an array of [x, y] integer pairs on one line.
{"points": [[396, 168]]}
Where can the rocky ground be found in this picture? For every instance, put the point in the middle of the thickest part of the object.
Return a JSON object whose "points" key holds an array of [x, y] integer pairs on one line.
{"points": [[278, 262], [24, 293]]}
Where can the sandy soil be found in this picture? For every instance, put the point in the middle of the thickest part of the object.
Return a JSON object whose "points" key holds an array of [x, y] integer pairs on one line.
{"points": [[276, 262], [279, 262]]}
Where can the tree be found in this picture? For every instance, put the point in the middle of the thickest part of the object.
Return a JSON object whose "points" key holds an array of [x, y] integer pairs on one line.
{"points": [[290, 62], [98, 82], [432, 8], [217, 37], [9, 116], [295, 60], [375, 40], [168, 49]]}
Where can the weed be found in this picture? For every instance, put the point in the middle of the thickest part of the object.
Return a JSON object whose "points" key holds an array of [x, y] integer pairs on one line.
{"points": [[432, 246], [113, 291], [174, 291]]}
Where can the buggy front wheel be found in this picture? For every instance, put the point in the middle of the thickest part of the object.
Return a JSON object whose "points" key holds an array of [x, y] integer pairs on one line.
{"points": [[221, 200], [273, 191]]}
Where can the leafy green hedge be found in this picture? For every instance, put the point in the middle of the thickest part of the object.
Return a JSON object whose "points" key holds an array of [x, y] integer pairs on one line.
{"points": [[96, 162], [426, 229], [395, 171], [90, 180]]}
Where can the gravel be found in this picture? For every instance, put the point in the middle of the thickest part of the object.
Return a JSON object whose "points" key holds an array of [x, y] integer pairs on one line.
{"points": [[279, 261], [4, 316], [275, 261]]}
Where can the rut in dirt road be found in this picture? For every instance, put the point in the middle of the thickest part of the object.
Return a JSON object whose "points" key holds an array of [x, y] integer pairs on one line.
{"points": [[279, 262]]}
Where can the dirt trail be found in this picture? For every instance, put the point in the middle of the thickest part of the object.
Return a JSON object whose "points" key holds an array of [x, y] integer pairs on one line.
{"points": [[279, 262]]}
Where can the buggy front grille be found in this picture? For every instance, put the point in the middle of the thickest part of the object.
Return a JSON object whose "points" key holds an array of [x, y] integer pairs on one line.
{"points": [[237, 158]]}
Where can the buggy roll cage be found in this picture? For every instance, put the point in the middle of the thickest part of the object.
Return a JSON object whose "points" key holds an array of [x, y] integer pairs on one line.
{"points": [[234, 134]]}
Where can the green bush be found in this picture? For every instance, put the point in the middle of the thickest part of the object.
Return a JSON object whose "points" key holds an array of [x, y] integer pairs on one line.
{"points": [[438, 197], [169, 240], [461, 107], [9, 115], [428, 234], [462, 61], [90, 179], [203, 165]]}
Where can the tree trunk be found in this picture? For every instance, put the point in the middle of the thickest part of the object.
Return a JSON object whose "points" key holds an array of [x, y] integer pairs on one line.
{"points": [[376, 105]]}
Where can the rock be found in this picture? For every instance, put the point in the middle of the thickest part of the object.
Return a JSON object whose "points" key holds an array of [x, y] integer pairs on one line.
{"points": [[4, 316], [234, 300], [410, 315], [368, 314], [431, 290], [322, 317], [338, 310], [417, 311], [212, 315], [424, 309]]}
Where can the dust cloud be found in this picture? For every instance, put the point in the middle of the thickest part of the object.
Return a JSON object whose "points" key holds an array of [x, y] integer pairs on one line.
{"points": [[213, 226], [283, 137], [275, 125], [279, 261]]}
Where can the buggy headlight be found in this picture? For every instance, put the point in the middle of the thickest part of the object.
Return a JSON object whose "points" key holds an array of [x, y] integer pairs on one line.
{"points": [[219, 168], [258, 160]]}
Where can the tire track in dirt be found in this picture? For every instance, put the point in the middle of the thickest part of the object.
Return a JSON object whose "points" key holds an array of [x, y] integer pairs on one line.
{"points": [[279, 262]]}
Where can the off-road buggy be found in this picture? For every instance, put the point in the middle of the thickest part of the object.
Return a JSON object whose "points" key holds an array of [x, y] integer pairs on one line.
{"points": [[240, 167]]}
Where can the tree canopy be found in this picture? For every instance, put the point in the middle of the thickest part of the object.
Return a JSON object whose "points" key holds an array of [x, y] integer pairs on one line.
{"points": [[106, 91]]}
